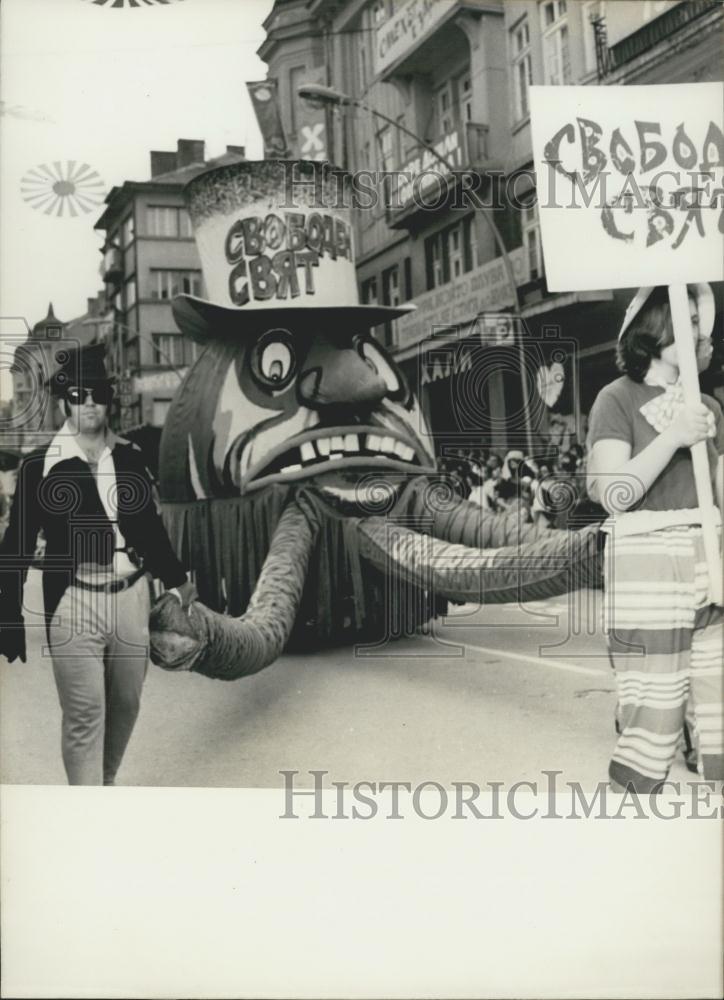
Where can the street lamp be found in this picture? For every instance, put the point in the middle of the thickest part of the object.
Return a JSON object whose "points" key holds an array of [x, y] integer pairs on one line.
{"points": [[319, 95]]}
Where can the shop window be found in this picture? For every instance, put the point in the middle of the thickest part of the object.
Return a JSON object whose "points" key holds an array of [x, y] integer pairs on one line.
{"points": [[556, 52], [522, 68]]}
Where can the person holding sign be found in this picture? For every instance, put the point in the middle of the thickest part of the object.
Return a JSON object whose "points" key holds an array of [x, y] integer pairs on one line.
{"points": [[664, 630]]}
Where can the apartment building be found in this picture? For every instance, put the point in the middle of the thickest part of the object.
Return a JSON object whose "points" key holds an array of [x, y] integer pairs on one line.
{"points": [[456, 74], [149, 257]]}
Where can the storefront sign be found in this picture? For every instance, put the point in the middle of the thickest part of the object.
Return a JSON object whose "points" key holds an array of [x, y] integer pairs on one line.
{"points": [[158, 381], [437, 367], [629, 183], [401, 31], [424, 172], [483, 290]]}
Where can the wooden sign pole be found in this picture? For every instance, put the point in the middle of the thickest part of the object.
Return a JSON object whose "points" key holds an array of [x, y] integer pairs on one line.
{"points": [[686, 354]]}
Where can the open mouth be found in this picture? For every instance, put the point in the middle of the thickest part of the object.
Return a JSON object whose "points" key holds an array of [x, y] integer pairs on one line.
{"points": [[345, 447]]}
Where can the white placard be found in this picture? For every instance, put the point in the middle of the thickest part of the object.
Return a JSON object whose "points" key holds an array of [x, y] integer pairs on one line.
{"points": [[630, 184]]}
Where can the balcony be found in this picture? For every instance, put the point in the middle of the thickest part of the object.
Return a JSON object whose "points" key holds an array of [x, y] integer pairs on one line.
{"points": [[411, 39], [660, 29], [417, 184], [112, 268]]}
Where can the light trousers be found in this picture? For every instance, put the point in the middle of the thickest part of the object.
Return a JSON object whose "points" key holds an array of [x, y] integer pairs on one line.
{"points": [[666, 644], [99, 647]]}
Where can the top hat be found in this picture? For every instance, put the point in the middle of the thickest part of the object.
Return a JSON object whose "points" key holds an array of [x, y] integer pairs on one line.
{"points": [[276, 246], [81, 366], [703, 296]]}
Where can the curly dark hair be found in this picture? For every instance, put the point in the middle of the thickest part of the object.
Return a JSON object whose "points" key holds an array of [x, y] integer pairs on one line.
{"points": [[650, 330]]}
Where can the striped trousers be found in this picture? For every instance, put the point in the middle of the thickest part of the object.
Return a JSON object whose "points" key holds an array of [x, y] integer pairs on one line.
{"points": [[665, 642]]}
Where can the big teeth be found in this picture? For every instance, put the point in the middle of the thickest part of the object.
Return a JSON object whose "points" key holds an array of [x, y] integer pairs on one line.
{"points": [[374, 442], [338, 442], [335, 455], [291, 468], [308, 452], [351, 442], [387, 444], [324, 446], [406, 452]]}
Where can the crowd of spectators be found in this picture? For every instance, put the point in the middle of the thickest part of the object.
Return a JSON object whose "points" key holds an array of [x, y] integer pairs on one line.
{"points": [[549, 490]]}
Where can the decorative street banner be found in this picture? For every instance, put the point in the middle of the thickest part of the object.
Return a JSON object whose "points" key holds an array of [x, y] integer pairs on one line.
{"points": [[265, 100], [630, 184]]}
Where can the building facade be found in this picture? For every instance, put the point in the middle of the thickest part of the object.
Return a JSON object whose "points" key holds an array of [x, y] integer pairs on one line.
{"points": [[453, 77], [149, 257], [34, 417]]}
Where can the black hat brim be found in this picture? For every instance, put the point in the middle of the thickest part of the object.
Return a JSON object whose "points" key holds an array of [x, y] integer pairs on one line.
{"points": [[202, 320]]}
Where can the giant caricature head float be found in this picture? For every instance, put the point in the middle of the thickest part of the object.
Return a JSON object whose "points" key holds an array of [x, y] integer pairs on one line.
{"points": [[295, 445]]}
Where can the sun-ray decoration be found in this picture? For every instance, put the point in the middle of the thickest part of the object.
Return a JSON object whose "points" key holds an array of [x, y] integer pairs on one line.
{"points": [[63, 188], [130, 3]]}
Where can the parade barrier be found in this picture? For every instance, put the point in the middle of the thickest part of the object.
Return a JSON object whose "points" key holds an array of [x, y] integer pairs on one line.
{"points": [[633, 175]]}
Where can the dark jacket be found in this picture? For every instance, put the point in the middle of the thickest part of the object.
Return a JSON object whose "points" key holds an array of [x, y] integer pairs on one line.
{"points": [[66, 504]]}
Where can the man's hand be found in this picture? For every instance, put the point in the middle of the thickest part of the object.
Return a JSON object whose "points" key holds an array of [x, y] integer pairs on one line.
{"points": [[186, 593]]}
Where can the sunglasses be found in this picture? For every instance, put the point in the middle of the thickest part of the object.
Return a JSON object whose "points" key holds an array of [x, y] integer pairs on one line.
{"points": [[101, 394]]}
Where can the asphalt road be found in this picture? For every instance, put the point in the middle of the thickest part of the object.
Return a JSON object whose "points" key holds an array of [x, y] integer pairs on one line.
{"points": [[493, 694]]}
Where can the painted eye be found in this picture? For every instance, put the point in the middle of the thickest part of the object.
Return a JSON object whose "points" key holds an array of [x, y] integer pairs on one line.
{"points": [[274, 364], [379, 364]]}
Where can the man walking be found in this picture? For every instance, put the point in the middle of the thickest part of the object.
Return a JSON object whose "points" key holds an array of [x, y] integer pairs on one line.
{"points": [[92, 497]]}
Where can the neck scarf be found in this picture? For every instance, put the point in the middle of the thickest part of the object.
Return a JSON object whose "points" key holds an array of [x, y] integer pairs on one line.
{"points": [[662, 410]]}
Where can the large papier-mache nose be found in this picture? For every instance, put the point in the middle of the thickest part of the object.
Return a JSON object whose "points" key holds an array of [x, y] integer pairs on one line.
{"points": [[338, 376]]}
